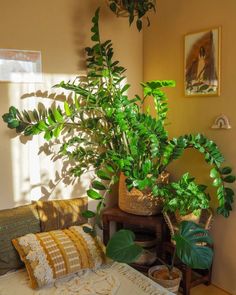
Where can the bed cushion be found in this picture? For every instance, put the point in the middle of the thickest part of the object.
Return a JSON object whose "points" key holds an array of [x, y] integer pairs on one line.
{"points": [[51, 255], [59, 214], [14, 223]]}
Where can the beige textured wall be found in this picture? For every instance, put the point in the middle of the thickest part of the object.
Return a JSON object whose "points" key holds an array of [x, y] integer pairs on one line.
{"points": [[163, 59], [60, 29]]}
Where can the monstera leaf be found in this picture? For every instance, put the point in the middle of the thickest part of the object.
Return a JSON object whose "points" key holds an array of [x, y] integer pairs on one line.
{"points": [[122, 248], [192, 245]]}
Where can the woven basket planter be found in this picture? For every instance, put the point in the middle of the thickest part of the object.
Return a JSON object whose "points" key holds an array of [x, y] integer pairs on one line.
{"points": [[170, 285], [138, 202]]}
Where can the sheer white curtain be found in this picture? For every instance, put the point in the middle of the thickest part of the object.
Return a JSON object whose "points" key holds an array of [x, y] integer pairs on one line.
{"points": [[36, 175]]}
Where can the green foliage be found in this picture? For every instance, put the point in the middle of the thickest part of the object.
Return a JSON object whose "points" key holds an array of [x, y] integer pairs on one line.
{"points": [[88, 214], [186, 196], [122, 248], [192, 245], [108, 132], [136, 9]]}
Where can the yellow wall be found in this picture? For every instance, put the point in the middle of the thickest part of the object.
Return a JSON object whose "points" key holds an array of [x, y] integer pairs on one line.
{"points": [[60, 29], [163, 59]]}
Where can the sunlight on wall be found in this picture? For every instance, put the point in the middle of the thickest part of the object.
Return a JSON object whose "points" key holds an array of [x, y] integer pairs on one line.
{"points": [[35, 174]]}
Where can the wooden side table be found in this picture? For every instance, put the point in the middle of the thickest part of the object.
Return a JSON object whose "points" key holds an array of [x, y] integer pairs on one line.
{"points": [[155, 223]]}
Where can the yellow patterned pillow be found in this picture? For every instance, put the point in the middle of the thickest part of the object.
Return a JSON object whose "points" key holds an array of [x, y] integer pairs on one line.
{"points": [[50, 255]]}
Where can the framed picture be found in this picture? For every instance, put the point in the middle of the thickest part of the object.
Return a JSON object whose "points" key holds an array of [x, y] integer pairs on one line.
{"points": [[202, 63], [20, 66]]}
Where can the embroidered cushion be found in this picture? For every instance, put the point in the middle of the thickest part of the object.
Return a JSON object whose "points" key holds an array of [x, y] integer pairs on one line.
{"points": [[51, 255]]}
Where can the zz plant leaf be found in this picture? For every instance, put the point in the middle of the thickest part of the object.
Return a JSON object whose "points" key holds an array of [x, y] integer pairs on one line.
{"points": [[94, 195]]}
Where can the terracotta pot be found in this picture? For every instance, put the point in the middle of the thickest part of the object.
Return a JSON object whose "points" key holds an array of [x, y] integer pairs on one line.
{"points": [[138, 202], [160, 274]]}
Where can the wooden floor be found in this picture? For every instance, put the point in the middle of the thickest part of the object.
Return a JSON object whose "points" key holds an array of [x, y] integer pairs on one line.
{"points": [[207, 290]]}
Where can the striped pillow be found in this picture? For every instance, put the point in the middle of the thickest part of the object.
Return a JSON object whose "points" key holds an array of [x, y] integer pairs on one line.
{"points": [[50, 255]]}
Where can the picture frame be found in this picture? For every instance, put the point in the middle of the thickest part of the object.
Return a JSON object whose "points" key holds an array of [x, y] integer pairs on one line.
{"points": [[202, 62]]}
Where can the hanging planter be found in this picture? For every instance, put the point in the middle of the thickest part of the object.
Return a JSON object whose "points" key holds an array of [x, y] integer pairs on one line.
{"points": [[135, 10]]}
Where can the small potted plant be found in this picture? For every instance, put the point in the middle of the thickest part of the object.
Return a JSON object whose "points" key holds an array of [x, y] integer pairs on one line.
{"points": [[134, 9], [106, 131], [186, 199], [191, 247]]}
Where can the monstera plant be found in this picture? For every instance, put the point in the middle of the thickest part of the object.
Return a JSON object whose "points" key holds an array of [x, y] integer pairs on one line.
{"points": [[108, 132]]}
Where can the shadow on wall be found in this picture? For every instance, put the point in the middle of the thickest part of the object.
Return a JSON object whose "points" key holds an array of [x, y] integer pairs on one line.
{"points": [[61, 213], [82, 27], [27, 175]]}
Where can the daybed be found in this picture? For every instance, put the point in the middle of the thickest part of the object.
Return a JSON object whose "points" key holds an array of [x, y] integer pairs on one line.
{"points": [[110, 279]]}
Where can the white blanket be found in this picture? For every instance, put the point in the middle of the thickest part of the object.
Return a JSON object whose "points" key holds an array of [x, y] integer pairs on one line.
{"points": [[113, 279]]}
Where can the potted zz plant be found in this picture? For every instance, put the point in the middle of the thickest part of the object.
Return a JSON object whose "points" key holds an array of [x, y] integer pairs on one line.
{"points": [[109, 133], [134, 9]]}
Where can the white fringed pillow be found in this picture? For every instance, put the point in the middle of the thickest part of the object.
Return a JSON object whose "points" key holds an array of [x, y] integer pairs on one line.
{"points": [[51, 255]]}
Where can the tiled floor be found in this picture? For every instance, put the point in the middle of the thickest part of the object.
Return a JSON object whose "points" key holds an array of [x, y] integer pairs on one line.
{"points": [[207, 290]]}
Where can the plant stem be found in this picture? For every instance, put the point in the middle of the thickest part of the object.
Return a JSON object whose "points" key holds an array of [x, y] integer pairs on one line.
{"points": [[173, 261]]}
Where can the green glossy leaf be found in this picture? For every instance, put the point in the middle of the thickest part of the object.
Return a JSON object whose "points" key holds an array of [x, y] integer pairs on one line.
{"points": [[125, 88], [226, 170], [57, 115], [103, 175], [13, 123], [189, 248], [229, 178], [94, 195], [113, 7], [229, 191], [139, 24], [88, 214], [98, 185], [67, 109], [48, 135], [122, 248], [42, 126], [88, 230], [217, 181], [6, 117], [57, 130], [214, 173], [13, 110]]}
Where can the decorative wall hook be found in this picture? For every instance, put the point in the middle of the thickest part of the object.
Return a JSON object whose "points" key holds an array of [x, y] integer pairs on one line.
{"points": [[221, 122]]}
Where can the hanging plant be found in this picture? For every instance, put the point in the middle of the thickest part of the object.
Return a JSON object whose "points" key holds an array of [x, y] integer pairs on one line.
{"points": [[135, 10]]}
